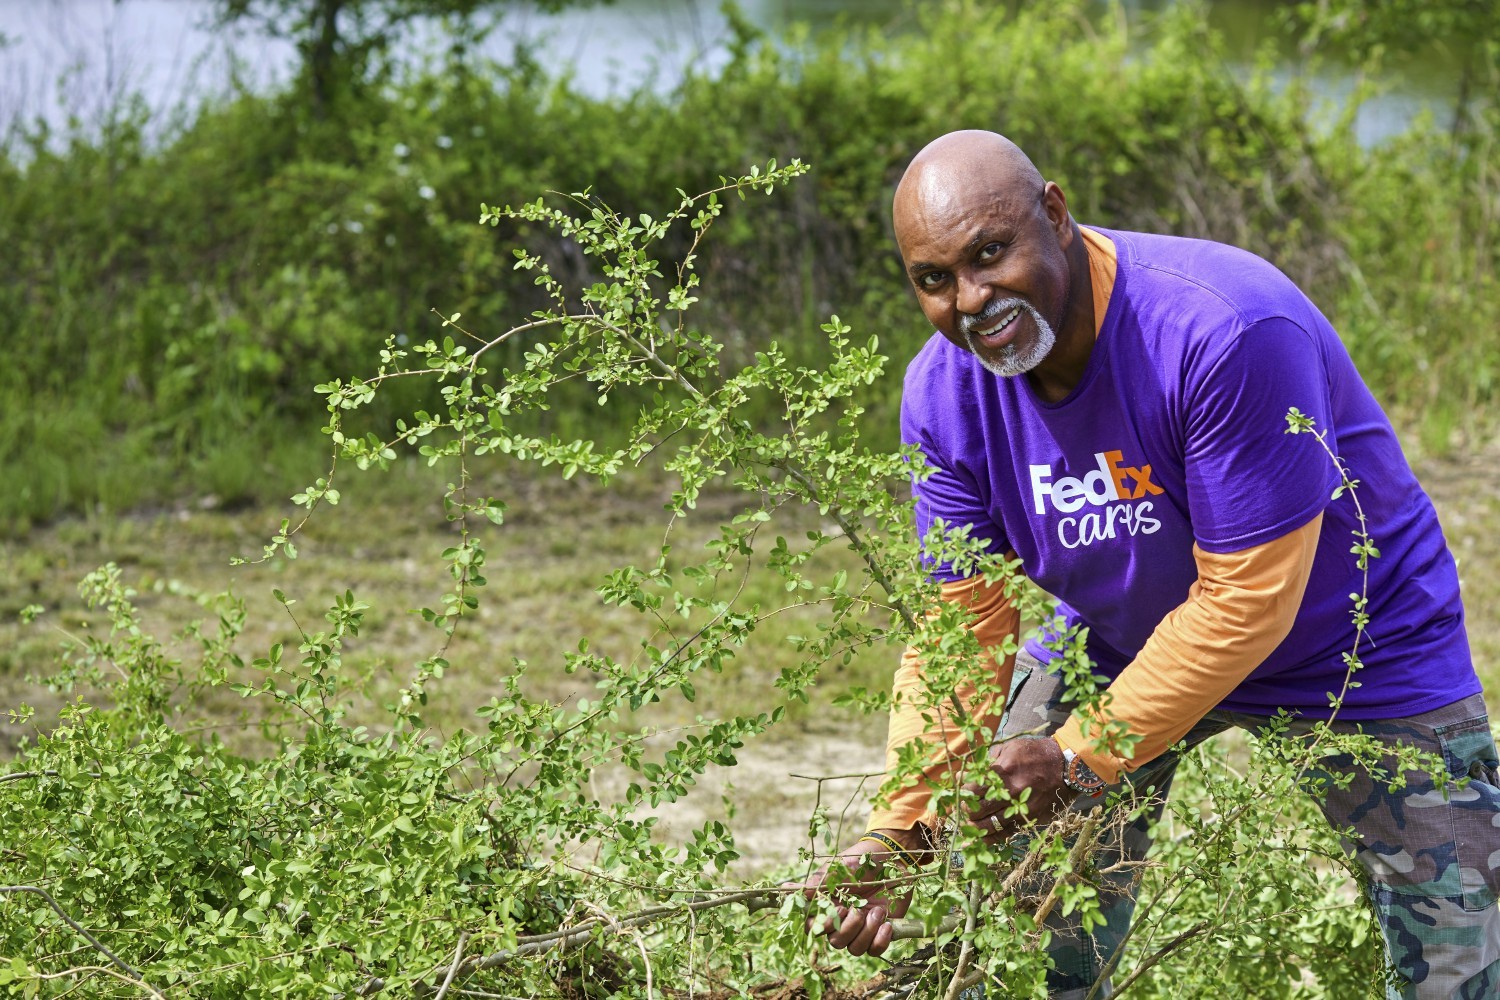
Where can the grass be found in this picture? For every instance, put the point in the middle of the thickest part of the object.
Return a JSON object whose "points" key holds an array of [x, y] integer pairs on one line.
{"points": [[384, 542], [558, 543]]}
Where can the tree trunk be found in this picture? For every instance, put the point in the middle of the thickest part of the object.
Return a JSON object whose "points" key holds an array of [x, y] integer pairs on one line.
{"points": [[322, 57]]}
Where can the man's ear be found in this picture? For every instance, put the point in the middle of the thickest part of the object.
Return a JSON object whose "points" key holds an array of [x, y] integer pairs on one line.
{"points": [[1055, 204]]}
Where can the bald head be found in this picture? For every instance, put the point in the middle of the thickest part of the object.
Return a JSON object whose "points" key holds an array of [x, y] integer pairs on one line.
{"points": [[993, 256], [956, 169]]}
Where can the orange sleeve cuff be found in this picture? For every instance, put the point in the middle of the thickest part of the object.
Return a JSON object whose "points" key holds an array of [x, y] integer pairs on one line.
{"points": [[1105, 763], [915, 720], [1240, 608]]}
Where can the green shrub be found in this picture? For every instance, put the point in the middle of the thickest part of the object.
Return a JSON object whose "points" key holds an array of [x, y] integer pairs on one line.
{"points": [[354, 861]]}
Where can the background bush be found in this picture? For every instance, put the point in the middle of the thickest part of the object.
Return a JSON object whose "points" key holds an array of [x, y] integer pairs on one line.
{"points": [[168, 304]]}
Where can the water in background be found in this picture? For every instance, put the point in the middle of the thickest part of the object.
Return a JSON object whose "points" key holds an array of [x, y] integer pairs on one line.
{"points": [[70, 62]]}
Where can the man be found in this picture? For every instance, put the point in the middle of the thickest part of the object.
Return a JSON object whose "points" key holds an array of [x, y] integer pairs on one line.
{"points": [[1110, 408]]}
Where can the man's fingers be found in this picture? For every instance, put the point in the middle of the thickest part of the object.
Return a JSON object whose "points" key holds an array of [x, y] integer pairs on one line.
{"points": [[989, 803], [987, 815], [865, 888], [827, 925], [857, 933], [850, 923], [838, 872], [834, 924], [811, 886], [875, 922]]}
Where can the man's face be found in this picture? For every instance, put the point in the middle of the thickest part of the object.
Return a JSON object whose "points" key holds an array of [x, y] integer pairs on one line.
{"points": [[989, 268]]}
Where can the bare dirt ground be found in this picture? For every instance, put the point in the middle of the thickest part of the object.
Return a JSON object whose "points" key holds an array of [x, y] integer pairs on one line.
{"points": [[543, 569]]}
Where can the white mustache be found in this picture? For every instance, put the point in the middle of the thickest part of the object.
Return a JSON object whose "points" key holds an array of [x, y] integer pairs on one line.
{"points": [[968, 324]]}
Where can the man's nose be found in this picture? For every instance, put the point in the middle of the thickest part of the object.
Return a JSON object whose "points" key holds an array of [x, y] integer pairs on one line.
{"points": [[973, 296]]}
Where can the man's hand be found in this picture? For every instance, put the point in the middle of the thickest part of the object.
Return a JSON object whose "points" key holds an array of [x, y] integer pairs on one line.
{"points": [[1024, 762], [860, 881]]}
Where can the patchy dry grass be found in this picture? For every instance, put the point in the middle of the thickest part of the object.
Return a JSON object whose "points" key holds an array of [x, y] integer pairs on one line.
{"points": [[384, 542], [558, 543]]}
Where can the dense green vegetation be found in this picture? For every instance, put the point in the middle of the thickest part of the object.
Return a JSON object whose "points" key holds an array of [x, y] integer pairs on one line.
{"points": [[176, 303], [362, 854], [169, 304]]}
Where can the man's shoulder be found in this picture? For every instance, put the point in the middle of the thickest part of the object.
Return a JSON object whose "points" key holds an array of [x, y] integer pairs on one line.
{"points": [[1172, 271], [1185, 254]]}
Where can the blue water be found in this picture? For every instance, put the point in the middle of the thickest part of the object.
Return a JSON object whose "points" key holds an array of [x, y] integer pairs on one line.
{"points": [[70, 61]]}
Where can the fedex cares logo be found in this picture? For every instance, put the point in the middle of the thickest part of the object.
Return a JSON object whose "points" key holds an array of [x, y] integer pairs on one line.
{"points": [[1116, 491]]}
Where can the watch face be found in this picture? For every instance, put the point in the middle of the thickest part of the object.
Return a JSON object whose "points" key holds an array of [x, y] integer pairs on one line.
{"points": [[1079, 776]]}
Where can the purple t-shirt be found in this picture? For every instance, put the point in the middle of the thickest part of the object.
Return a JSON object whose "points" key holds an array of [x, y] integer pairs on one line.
{"points": [[1176, 434]]}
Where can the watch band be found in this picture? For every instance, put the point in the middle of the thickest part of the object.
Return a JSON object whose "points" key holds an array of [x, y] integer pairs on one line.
{"points": [[889, 843], [1078, 776]]}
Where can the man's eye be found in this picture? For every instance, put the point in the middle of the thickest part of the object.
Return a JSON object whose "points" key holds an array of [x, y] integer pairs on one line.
{"points": [[990, 250], [931, 279]]}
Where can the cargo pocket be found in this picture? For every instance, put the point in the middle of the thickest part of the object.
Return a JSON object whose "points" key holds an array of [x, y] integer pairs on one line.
{"points": [[1035, 698], [1468, 751]]}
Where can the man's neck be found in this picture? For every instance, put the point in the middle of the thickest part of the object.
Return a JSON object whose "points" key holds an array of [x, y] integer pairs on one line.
{"points": [[1064, 366]]}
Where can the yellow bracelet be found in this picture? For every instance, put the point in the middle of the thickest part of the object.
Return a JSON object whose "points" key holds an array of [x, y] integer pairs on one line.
{"points": [[901, 853]]}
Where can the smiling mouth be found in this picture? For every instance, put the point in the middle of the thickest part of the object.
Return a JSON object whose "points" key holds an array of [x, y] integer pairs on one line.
{"points": [[998, 333]]}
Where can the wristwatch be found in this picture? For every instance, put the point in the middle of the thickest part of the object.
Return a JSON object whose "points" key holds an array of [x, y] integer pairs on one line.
{"points": [[1079, 776]]}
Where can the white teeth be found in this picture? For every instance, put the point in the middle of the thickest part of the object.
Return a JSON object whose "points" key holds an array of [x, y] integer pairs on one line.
{"points": [[1004, 320]]}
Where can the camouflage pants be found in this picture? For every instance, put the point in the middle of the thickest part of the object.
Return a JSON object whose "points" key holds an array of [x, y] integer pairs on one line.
{"points": [[1432, 854]]}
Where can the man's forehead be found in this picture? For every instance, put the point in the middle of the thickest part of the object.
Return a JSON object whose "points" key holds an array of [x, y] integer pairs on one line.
{"points": [[951, 209], [942, 192]]}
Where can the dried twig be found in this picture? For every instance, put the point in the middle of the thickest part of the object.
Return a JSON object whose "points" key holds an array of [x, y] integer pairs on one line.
{"points": [[1081, 847]]}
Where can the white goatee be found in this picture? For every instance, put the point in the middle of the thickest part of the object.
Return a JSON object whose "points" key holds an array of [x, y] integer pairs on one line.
{"points": [[1014, 358]]}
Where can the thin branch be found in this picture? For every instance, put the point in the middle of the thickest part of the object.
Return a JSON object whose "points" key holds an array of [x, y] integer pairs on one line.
{"points": [[1163, 952], [458, 954], [851, 530], [36, 890], [106, 970], [487, 344], [966, 949], [753, 900], [645, 960]]}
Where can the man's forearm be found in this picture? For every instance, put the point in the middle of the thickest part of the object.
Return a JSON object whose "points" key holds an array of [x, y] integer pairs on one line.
{"points": [[941, 741], [1241, 609]]}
